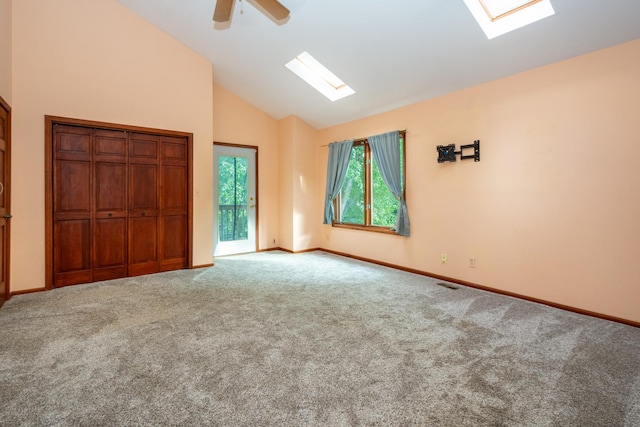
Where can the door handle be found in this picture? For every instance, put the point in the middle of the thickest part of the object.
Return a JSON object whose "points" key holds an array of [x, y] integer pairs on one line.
{"points": [[6, 216], [252, 206]]}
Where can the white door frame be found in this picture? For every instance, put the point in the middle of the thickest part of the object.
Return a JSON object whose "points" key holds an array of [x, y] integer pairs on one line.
{"points": [[251, 243]]}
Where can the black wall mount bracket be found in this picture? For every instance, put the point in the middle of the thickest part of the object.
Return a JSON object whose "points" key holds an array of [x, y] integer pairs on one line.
{"points": [[447, 153]]}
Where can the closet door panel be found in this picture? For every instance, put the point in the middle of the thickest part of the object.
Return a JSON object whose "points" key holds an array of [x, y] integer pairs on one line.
{"points": [[111, 145], [110, 251], [173, 242], [144, 147], [110, 202], [72, 143], [174, 150], [144, 184], [72, 207], [173, 203], [110, 187], [143, 246], [174, 189], [73, 192], [143, 187], [72, 255]]}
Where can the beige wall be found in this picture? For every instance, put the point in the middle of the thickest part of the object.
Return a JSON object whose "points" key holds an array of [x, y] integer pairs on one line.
{"points": [[551, 210], [5, 50], [237, 122], [286, 134], [97, 60], [301, 183], [300, 216], [307, 214]]}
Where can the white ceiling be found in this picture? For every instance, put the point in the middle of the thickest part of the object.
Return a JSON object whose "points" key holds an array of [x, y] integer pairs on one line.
{"points": [[392, 53]]}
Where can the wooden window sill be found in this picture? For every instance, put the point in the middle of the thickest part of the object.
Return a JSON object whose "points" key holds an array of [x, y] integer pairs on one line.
{"points": [[371, 228]]}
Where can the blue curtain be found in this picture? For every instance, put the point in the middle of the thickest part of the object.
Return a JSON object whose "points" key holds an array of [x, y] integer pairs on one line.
{"points": [[385, 149], [339, 153]]}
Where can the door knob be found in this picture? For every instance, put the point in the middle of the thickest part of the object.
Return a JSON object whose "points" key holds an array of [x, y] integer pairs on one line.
{"points": [[6, 216], [252, 206]]}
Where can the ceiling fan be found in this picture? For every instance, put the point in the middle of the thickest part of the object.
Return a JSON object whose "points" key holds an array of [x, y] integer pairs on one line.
{"points": [[273, 8]]}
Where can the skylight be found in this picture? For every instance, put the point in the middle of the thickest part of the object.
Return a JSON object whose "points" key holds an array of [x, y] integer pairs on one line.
{"points": [[318, 76], [497, 17]]}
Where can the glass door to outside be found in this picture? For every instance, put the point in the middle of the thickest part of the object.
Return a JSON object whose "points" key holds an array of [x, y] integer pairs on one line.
{"points": [[235, 219]]}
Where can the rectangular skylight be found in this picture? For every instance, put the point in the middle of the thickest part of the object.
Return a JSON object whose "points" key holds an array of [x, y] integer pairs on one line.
{"points": [[318, 76], [497, 17]]}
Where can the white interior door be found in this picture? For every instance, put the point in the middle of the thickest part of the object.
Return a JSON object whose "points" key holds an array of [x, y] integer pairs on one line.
{"points": [[235, 200]]}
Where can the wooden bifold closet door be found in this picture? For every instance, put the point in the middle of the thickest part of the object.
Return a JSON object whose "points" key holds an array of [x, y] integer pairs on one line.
{"points": [[119, 204]]}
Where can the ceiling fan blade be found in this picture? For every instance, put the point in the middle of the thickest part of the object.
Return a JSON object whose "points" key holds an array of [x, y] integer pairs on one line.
{"points": [[222, 12], [274, 8]]}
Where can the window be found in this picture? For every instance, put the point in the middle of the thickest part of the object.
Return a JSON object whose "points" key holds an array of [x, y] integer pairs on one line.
{"points": [[365, 201], [319, 77], [497, 17]]}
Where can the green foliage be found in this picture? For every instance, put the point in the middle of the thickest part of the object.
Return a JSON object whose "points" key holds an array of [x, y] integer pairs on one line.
{"points": [[232, 198], [384, 206], [352, 191], [232, 176]]}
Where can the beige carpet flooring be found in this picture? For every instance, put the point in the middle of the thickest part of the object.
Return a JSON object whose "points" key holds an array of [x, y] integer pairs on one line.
{"points": [[313, 339]]}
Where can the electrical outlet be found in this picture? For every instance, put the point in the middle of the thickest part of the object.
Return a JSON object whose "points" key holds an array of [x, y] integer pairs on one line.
{"points": [[472, 262], [443, 257]]}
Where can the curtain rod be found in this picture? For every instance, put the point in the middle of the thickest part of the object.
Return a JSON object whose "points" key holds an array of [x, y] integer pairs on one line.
{"points": [[403, 132]]}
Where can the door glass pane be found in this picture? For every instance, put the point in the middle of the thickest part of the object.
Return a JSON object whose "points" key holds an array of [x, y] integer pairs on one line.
{"points": [[232, 198]]}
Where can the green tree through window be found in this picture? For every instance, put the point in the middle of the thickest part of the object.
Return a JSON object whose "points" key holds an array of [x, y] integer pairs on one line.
{"points": [[352, 195], [365, 201], [232, 198]]}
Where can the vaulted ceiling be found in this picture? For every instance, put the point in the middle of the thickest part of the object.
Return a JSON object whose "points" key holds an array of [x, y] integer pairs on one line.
{"points": [[392, 53]]}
